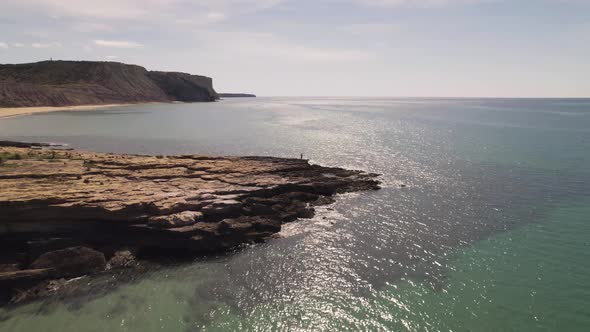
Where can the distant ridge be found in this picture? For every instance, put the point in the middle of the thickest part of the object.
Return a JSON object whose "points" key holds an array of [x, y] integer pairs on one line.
{"points": [[236, 95], [68, 83]]}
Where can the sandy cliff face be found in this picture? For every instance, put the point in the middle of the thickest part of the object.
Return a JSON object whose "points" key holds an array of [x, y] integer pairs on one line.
{"points": [[65, 83]]}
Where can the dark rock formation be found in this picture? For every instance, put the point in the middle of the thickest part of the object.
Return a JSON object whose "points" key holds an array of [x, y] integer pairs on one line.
{"points": [[236, 95], [55, 203], [71, 262], [184, 87], [23, 144], [38, 290], [25, 275], [67, 83], [121, 258]]}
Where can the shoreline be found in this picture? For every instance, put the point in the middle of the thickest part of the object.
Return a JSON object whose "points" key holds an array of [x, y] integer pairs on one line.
{"points": [[9, 112], [70, 213]]}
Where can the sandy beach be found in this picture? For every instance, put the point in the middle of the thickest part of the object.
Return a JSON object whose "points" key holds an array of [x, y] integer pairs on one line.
{"points": [[18, 111]]}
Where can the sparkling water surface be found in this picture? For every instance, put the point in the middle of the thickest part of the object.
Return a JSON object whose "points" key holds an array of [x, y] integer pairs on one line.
{"points": [[492, 232]]}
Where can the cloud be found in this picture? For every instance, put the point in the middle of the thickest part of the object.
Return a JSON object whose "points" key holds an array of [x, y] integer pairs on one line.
{"points": [[33, 45], [267, 45], [215, 16], [45, 45], [371, 28], [136, 9], [82, 8], [416, 3], [92, 27], [111, 57], [117, 44], [207, 18]]}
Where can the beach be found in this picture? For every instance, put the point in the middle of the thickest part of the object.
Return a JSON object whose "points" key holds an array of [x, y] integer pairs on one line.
{"points": [[8, 112]]}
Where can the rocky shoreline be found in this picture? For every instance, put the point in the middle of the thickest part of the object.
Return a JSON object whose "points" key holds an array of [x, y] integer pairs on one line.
{"points": [[66, 214]]}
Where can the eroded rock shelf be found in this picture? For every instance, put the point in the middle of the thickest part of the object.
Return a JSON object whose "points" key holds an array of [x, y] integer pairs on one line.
{"points": [[65, 202]]}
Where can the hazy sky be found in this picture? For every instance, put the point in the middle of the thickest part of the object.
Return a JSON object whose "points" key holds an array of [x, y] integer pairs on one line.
{"points": [[322, 47]]}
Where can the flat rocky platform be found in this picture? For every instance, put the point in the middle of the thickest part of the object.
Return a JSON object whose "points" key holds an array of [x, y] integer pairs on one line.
{"points": [[64, 214]]}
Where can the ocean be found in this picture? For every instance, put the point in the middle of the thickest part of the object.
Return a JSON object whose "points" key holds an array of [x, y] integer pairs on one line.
{"points": [[491, 231]]}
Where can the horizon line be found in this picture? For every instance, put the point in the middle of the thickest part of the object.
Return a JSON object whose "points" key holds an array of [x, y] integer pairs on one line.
{"points": [[413, 97]]}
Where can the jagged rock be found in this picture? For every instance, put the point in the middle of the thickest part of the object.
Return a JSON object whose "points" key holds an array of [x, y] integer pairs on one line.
{"points": [[21, 275], [42, 289], [233, 226], [266, 225], [258, 209], [38, 247], [9, 267], [122, 258], [181, 219], [222, 207], [176, 205], [71, 262]]}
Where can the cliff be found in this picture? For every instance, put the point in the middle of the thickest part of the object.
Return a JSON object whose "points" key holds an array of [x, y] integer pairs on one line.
{"points": [[184, 87], [67, 83]]}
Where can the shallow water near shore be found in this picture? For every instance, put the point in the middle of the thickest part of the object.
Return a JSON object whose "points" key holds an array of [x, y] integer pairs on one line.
{"points": [[491, 232]]}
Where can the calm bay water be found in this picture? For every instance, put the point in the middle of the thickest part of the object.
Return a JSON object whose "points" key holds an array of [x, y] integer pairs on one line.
{"points": [[491, 234]]}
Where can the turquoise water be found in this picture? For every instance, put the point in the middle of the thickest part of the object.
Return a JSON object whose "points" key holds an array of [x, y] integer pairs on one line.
{"points": [[492, 233]]}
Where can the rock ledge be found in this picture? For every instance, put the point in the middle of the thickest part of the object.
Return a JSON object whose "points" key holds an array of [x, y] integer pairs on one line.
{"points": [[85, 205]]}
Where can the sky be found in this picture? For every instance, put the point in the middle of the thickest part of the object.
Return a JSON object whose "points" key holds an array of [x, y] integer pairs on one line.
{"points": [[427, 48]]}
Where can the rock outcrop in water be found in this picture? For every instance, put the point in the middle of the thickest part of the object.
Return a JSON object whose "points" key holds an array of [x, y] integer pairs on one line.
{"points": [[68, 83], [61, 211], [236, 95]]}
